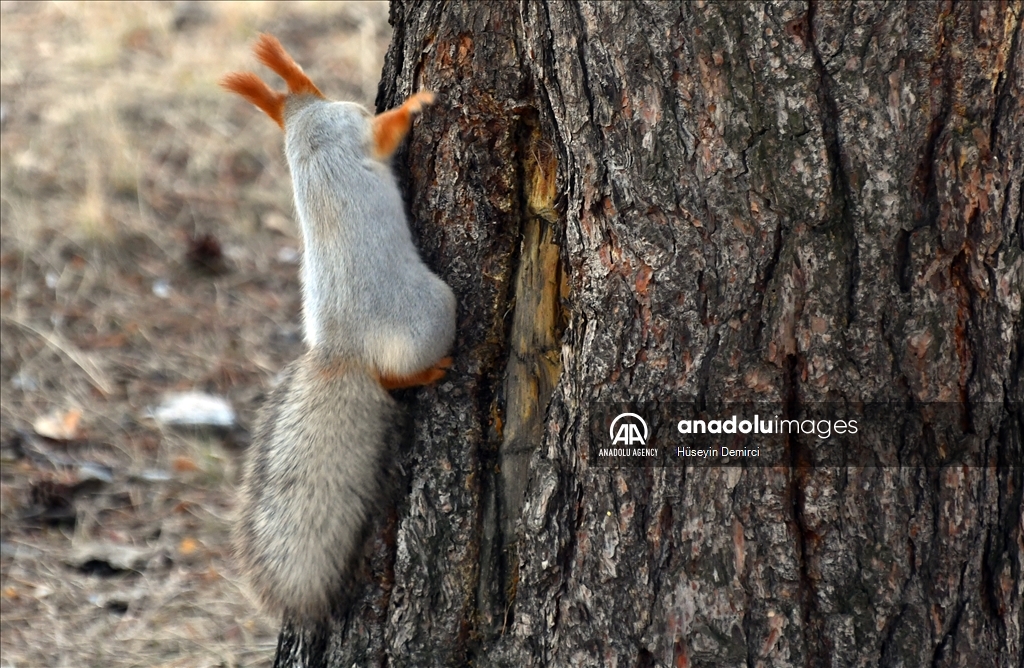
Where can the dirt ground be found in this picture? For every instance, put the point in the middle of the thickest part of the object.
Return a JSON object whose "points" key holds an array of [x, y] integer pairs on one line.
{"points": [[146, 247]]}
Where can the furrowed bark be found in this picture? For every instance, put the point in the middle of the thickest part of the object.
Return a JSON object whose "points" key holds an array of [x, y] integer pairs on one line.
{"points": [[787, 202]]}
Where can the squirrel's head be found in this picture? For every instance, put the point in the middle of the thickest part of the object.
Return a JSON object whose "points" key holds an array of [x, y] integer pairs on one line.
{"points": [[312, 124], [311, 119]]}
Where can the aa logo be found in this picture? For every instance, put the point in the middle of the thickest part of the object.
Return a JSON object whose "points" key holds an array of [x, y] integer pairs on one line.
{"points": [[626, 430]]}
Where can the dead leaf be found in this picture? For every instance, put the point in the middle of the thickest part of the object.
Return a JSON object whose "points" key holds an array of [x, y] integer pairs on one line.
{"points": [[59, 425], [184, 465], [188, 546]]}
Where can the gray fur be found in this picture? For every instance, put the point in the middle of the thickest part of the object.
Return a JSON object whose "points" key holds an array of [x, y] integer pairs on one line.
{"points": [[312, 481], [366, 292]]}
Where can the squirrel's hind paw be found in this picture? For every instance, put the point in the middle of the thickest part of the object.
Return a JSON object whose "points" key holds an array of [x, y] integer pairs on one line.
{"points": [[425, 377]]}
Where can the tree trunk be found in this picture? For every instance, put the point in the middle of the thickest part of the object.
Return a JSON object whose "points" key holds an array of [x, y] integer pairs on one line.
{"points": [[676, 206]]}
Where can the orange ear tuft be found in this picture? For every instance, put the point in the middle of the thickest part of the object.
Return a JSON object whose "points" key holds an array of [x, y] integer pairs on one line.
{"points": [[254, 89], [270, 52]]}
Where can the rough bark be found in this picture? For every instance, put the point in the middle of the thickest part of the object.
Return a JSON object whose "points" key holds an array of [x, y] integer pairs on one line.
{"points": [[786, 202]]}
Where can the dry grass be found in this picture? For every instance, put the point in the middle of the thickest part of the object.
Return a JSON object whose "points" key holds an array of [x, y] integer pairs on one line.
{"points": [[119, 154]]}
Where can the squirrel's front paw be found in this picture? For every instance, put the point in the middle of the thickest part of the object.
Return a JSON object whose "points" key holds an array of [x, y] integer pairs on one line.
{"points": [[416, 102]]}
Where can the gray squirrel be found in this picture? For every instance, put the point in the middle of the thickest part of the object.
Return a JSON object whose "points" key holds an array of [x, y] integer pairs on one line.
{"points": [[376, 318]]}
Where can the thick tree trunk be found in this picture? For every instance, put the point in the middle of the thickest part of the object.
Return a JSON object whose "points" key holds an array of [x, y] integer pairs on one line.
{"points": [[780, 203]]}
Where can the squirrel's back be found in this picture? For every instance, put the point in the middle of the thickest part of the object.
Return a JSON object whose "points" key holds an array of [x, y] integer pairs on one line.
{"points": [[363, 278]]}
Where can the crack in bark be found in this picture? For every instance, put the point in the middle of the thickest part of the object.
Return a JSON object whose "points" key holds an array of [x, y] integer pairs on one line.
{"points": [[704, 373], [762, 286], [815, 642], [1003, 98], [1003, 92], [582, 59], [841, 196], [964, 315], [303, 646], [925, 188], [885, 648], [950, 635]]}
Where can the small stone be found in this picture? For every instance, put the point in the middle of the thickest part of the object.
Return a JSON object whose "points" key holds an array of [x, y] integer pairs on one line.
{"points": [[161, 288], [288, 255], [194, 409]]}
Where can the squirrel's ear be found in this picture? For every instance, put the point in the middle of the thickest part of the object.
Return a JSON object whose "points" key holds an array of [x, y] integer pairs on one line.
{"points": [[254, 89], [270, 52]]}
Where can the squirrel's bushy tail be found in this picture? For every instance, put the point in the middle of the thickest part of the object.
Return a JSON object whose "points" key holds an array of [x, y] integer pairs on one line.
{"points": [[313, 479]]}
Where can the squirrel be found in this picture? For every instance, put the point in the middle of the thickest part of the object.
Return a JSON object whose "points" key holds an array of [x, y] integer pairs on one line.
{"points": [[375, 319]]}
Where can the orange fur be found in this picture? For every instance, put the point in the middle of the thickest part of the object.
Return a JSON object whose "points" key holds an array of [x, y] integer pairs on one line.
{"points": [[390, 127], [425, 377], [270, 52], [254, 89]]}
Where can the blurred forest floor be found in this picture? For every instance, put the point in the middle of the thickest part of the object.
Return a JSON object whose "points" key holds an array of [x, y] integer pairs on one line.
{"points": [[146, 247]]}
